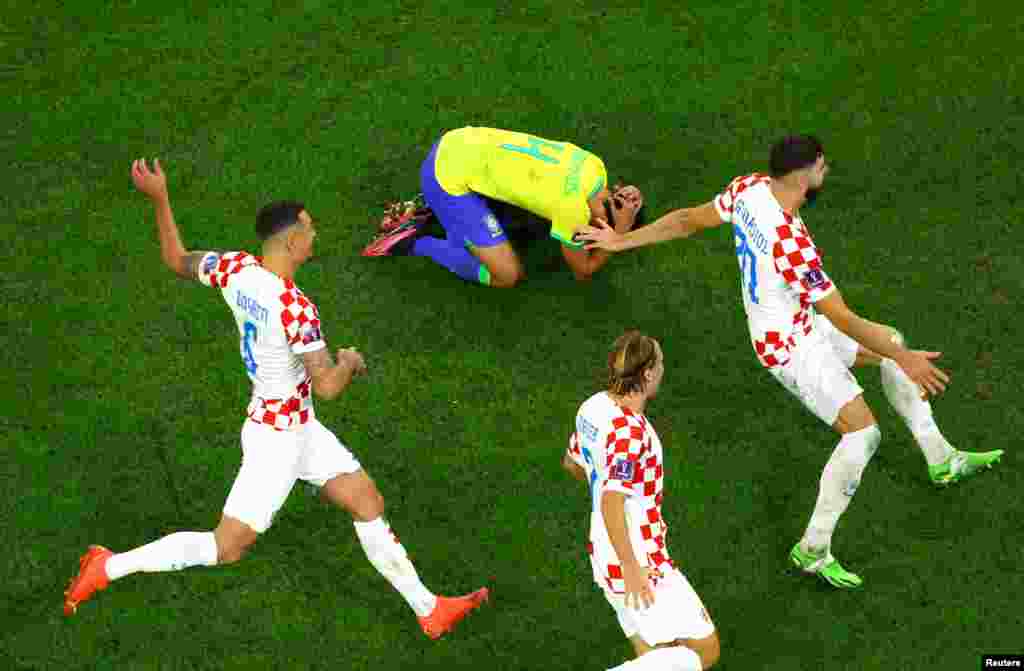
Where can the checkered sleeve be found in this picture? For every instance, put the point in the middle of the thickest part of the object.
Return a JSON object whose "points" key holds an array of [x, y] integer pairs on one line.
{"points": [[216, 270], [725, 201], [300, 320], [798, 261], [574, 451], [626, 449]]}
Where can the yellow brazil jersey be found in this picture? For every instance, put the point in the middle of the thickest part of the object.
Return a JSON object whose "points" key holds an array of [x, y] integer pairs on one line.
{"points": [[554, 180]]}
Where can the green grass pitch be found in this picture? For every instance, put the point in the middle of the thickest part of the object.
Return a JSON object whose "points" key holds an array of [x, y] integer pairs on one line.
{"points": [[109, 362]]}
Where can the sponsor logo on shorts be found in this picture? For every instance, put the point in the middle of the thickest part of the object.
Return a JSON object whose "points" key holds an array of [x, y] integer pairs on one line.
{"points": [[491, 222], [622, 470], [814, 279]]}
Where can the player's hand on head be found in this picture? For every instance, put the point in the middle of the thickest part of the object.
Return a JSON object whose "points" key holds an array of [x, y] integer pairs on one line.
{"points": [[631, 195], [353, 358], [918, 366], [151, 182], [639, 594], [598, 235]]}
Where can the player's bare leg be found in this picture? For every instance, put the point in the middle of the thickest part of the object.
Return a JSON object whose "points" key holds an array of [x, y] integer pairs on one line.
{"points": [[946, 464], [685, 654], [839, 481], [502, 263], [358, 494]]}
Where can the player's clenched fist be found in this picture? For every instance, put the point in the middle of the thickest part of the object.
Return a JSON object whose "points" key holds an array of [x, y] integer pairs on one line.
{"points": [[352, 358], [153, 182]]}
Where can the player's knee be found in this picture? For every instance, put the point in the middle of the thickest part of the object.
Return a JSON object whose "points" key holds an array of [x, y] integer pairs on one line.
{"points": [[233, 538], [708, 649], [369, 506], [711, 652], [506, 278], [231, 551]]}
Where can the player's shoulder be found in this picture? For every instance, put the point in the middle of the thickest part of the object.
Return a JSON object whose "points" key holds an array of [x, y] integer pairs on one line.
{"points": [[742, 183], [610, 418], [291, 294], [791, 228], [221, 268]]}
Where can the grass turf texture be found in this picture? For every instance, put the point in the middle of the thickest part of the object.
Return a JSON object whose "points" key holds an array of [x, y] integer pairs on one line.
{"points": [[125, 396]]}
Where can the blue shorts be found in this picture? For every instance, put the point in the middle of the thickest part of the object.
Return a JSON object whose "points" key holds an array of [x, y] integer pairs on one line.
{"points": [[468, 219]]}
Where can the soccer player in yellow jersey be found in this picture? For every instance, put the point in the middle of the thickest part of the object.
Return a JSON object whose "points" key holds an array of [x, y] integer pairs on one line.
{"points": [[557, 181]]}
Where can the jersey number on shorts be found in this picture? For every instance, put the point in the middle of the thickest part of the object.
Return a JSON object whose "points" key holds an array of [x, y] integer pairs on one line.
{"points": [[248, 337], [534, 149], [747, 261]]}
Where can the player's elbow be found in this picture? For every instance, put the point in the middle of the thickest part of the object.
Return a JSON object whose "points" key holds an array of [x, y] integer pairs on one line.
{"points": [[583, 275], [176, 263], [572, 468]]}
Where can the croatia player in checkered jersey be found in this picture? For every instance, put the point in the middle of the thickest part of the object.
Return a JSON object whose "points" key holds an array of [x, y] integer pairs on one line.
{"points": [[806, 336], [283, 350], [616, 451]]}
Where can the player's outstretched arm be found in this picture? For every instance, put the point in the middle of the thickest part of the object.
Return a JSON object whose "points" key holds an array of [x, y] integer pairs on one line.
{"points": [[153, 184], [679, 223], [916, 364], [331, 378], [638, 587]]}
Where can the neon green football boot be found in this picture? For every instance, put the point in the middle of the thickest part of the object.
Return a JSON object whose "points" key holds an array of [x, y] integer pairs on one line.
{"points": [[962, 465], [826, 567]]}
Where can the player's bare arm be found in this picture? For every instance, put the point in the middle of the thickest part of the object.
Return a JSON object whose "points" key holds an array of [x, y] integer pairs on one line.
{"points": [[680, 223], [573, 469], [915, 363], [153, 184], [638, 587], [330, 378]]}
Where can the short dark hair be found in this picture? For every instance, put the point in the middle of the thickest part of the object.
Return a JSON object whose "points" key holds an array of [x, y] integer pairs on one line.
{"points": [[275, 217], [794, 152]]}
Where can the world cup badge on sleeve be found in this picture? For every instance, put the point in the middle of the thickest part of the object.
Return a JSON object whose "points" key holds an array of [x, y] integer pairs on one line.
{"points": [[814, 279], [622, 469], [310, 333]]}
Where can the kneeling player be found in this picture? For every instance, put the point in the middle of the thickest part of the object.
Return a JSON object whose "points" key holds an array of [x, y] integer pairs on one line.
{"points": [[469, 168], [616, 450]]}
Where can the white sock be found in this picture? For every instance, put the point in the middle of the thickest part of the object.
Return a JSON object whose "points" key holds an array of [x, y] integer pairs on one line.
{"points": [[390, 559], [839, 481], [170, 553], [905, 399], [676, 658]]}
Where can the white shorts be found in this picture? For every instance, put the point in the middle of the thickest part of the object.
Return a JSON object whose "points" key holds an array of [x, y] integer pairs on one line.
{"points": [[273, 460], [677, 612], [818, 372]]}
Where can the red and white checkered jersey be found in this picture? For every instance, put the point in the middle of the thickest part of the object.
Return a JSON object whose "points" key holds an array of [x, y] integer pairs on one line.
{"points": [[277, 324], [780, 268], [620, 452]]}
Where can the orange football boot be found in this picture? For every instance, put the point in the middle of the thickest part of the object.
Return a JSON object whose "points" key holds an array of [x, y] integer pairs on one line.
{"points": [[92, 576], [449, 611]]}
